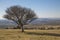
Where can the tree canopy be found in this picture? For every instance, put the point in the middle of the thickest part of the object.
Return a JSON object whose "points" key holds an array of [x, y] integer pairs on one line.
{"points": [[19, 15]]}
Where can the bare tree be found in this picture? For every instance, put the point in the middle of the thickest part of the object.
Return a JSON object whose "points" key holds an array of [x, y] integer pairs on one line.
{"points": [[19, 15]]}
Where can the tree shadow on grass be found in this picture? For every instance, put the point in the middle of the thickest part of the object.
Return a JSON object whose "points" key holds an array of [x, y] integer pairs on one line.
{"points": [[48, 34]]}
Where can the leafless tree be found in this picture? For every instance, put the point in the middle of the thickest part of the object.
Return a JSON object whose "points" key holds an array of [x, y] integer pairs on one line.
{"points": [[19, 15]]}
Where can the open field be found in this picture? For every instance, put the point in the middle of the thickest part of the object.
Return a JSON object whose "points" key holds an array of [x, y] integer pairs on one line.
{"points": [[42, 27], [16, 34]]}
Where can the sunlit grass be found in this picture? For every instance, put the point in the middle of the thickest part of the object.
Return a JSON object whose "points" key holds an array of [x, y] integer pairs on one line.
{"points": [[16, 34]]}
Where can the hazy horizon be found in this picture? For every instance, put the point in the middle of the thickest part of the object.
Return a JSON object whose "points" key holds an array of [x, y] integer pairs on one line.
{"points": [[43, 8]]}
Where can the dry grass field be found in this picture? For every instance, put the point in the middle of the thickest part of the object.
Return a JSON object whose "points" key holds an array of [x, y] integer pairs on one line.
{"points": [[16, 34]]}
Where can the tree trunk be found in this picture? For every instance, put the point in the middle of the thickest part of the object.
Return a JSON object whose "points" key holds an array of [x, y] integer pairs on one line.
{"points": [[22, 27]]}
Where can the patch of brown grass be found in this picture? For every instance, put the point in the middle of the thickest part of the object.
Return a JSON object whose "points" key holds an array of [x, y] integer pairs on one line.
{"points": [[16, 34]]}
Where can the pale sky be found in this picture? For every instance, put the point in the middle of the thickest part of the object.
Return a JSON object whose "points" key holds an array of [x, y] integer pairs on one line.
{"points": [[43, 8]]}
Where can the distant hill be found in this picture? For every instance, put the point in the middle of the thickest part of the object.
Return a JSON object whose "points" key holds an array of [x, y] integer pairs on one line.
{"points": [[38, 21], [49, 21], [7, 23]]}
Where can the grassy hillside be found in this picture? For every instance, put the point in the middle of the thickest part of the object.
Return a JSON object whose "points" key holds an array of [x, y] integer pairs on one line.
{"points": [[16, 34], [45, 27]]}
